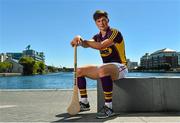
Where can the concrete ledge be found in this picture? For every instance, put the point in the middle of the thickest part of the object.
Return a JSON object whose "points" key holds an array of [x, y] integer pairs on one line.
{"points": [[143, 95]]}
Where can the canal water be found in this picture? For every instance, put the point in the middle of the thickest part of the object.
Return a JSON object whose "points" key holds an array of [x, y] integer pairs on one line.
{"points": [[61, 80]]}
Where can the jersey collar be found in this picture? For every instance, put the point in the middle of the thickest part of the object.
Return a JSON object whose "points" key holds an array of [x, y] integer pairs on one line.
{"points": [[100, 35]]}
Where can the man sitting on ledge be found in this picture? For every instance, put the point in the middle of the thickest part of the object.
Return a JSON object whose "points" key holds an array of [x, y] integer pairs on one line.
{"points": [[110, 43]]}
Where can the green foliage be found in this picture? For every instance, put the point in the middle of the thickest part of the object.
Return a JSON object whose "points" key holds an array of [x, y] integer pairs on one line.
{"points": [[5, 67], [35, 67], [41, 68], [64, 69], [52, 69], [30, 66]]}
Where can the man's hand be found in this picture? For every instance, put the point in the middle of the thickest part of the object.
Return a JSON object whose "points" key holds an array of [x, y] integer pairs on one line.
{"points": [[76, 41]]}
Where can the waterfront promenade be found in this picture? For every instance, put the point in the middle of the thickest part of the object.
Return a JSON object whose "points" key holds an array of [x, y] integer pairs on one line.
{"points": [[10, 74], [50, 106]]}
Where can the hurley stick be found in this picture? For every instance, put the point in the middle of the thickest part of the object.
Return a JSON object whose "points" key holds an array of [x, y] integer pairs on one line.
{"points": [[74, 107]]}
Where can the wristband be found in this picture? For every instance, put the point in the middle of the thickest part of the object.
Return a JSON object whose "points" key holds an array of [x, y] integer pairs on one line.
{"points": [[81, 43]]}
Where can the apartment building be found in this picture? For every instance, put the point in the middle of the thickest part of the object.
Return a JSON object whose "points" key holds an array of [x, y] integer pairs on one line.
{"points": [[159, 58]]}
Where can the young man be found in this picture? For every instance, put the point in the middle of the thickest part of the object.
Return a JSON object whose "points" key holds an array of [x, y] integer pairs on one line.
{"points": [[110, 43]]}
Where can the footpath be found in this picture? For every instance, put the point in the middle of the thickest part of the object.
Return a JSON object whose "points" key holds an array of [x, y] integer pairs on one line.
{"points": [[50, 106]]}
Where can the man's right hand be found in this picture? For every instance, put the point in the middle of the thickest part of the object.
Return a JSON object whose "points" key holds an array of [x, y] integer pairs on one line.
{"points": [[76, 41]]}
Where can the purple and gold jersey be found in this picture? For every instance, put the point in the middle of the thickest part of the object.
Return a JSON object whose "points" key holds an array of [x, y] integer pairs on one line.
{"points": [[115, 52]]}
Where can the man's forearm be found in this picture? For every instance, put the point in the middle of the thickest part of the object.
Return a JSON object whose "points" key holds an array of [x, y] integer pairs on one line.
{"points": [[98, 45], [92, 44], [84, 44]]}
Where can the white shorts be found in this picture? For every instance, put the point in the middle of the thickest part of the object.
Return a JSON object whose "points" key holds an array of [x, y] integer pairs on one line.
{"points": [[122, 69]]}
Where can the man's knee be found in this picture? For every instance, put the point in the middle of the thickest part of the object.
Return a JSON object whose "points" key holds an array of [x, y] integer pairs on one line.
{"points": [[80, 72], [102, 71]]}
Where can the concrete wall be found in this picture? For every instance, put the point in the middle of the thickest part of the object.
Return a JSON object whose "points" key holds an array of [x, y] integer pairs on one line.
{"points": [[144, 95]]}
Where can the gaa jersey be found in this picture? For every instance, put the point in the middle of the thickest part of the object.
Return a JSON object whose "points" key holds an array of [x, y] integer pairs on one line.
{"points": [[115, 52]]}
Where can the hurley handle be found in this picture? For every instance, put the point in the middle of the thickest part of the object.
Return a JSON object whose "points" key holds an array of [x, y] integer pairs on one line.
{"points": [[74, 107], [75, 65]]}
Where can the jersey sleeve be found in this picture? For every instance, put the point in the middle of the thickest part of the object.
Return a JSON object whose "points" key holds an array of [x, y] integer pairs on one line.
{"points": [[95, 38], [115, 36]]}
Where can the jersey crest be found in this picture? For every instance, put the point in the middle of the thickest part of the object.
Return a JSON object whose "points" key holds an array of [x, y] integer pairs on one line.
{"points": [[106, 52]]}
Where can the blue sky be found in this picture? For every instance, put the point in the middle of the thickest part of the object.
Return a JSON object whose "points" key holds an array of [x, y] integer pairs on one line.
{"points": [[50, 25]]}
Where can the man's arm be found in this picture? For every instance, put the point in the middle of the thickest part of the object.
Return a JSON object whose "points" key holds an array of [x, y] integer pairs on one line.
{"points": [[97, 45]]}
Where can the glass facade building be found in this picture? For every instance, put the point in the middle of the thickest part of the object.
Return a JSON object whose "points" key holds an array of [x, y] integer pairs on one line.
{"points": [[37, 56]]}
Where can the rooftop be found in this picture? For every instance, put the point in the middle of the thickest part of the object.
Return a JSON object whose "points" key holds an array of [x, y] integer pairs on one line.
{"points": [[164, 50]]}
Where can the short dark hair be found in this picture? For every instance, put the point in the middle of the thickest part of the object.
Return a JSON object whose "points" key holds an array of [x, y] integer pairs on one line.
{"points": [[100, 13]]}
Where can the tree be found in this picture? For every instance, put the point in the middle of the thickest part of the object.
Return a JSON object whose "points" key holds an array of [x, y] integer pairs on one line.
{"points": [[41, 67], [52, 69], [35, 67], [5, 66], [28, 64]]}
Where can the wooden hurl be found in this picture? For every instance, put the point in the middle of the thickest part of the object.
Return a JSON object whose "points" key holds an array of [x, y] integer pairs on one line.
{"points": [[74, 106]]}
